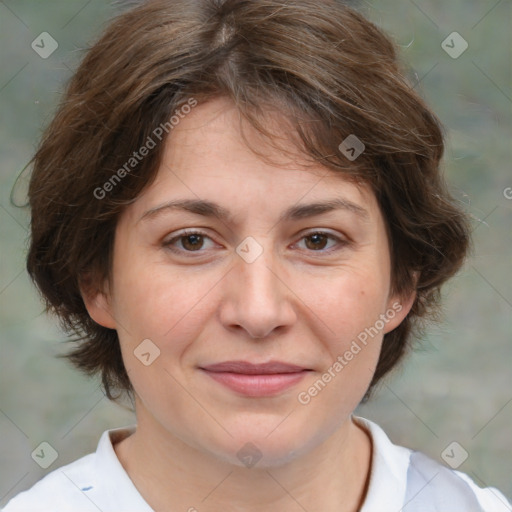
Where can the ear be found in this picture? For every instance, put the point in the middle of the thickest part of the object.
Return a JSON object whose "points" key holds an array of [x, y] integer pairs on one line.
{"points": [[97, 302], [399, 307]]}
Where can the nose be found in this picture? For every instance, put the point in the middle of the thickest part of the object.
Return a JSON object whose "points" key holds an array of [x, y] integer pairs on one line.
{"points": [[257, 298]]}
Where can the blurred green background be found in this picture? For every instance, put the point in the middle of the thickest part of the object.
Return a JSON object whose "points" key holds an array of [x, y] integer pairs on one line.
{"points": [[456, 386]]}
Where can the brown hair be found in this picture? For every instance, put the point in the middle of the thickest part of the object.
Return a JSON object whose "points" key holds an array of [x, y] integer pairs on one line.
{"points": [[328, 70]]}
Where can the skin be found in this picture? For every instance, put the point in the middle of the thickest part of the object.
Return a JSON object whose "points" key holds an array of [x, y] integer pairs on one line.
{"points": [[302, 301]]}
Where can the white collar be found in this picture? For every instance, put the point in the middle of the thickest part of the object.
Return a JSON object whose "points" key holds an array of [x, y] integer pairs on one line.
{"points": [[107, 465], [388, 474], [387, 485]]}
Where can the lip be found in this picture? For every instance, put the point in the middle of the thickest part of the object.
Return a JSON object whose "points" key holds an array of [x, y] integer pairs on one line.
{"points": [[256, 380], [244, 367]]}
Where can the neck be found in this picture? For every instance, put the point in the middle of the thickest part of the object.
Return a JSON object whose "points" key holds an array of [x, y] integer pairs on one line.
{"points": [[331, 477]]}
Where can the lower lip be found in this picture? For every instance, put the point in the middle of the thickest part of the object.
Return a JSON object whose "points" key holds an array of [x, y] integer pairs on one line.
{"points": [[257, 385]]}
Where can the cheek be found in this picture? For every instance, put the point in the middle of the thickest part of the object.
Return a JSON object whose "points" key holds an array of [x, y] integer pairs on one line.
{"points": [[156, 302], [347, 301], [346, 307]]}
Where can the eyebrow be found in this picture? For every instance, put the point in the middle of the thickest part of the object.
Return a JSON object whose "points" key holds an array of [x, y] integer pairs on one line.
{"points": [[296, 212]]}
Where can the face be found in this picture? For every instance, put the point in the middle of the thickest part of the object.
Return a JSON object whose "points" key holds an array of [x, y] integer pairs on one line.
{"points": [[227, 262]]}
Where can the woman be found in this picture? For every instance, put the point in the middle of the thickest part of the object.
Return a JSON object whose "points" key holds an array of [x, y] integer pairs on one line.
{"points": [[238, 209]]}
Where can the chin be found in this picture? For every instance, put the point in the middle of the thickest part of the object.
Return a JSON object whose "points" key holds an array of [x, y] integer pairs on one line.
{"points": [[271, 443]]}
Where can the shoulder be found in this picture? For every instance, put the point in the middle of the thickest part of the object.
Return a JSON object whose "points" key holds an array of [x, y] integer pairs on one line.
{"points": [[57, 489], [411, 481], [430, 483], [94, 482]]}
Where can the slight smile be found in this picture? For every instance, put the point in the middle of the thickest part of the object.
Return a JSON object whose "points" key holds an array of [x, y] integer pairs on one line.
{"points": [[256, 380]]}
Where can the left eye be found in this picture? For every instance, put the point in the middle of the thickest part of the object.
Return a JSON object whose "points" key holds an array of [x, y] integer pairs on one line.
{"points": [[318, 240]]}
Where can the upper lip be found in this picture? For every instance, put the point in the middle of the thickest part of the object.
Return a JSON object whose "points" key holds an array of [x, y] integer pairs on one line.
{"points": [[244, 367]]}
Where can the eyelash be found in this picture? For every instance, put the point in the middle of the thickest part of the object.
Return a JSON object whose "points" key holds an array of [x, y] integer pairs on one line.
{"points": [[168, 244]]}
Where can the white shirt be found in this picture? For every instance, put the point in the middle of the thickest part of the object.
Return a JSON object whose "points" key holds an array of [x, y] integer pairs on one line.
{"points": [[401, 480]]}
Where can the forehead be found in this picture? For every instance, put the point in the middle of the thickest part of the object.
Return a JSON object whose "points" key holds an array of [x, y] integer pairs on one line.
{"points": [[213, 154]]}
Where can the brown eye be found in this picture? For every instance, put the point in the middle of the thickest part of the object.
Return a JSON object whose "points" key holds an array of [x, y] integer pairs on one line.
{"points": [[317, 241], [192, 242], [322, 242]]}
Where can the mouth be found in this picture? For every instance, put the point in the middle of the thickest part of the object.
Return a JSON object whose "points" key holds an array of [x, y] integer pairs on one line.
{"points": [[256, 380]]}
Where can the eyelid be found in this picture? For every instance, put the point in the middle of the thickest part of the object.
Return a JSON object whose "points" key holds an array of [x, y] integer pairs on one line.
{"points": [[185, 232], [322, 231], [342, 241]]}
